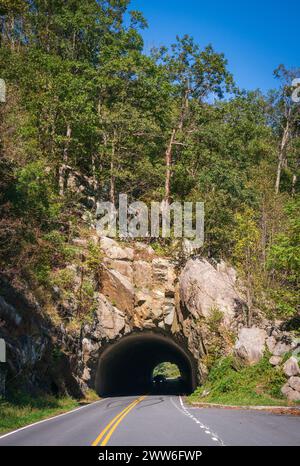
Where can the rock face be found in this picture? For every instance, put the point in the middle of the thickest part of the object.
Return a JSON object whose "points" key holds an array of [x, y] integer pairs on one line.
{"points": [[203, 288], [118, 289], [112, 250], [281, 348], [291, 367], [109, 319], [39, 355], [294, 382], [290, 393], [139, 284], [136, 291], [251, 344], [275, 360]]}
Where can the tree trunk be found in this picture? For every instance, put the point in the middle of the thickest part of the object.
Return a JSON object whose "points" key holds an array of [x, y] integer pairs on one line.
{"points": [[62, 169], [184, 111], [169, 167], [294, 182], [112, 174], [12, 34], [281, 156], [95, 180], [295, 177], [264, 235], [249, 300]]}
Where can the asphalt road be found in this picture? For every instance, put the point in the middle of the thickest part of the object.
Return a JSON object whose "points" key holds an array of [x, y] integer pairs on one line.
{"points": [[158, 421]]}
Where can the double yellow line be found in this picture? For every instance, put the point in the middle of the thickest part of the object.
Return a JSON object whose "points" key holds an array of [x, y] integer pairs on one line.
{"points": [[106, 434]]}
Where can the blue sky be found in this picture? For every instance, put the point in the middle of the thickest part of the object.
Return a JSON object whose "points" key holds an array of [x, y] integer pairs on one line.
{"points": [[255, 36]]}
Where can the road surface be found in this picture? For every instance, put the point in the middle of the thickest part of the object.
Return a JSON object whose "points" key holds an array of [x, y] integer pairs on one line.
{"points": [[158, 421]]}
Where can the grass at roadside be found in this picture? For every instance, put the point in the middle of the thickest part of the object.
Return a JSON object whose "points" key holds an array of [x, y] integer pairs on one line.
{"points": [[230, 384], [22, 409]]}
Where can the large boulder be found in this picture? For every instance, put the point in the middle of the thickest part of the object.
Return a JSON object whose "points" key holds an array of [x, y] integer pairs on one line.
{"points": [[294, 382], [111, 320], [114, 251], [291, 367], [290, 393], [275, 360], [203, 288], [123, 267], [118, 289], [251, 344]]}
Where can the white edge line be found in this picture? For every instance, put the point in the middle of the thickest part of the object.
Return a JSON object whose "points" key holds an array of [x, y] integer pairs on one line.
{"points": [[51, 418], [215, 437]]}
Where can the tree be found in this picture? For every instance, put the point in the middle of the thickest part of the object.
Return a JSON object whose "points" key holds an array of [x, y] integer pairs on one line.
{"points": [[195, 74], [285, 117], [246, 255], [284, 262]]}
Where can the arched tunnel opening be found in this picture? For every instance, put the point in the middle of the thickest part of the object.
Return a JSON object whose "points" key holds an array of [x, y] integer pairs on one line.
{"points": [[126, 367]]}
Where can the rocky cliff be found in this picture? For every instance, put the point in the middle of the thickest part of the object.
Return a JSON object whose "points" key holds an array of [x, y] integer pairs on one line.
{"points": [[197, 307]]}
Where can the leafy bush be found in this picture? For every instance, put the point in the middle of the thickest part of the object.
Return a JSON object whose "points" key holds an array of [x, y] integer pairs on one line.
{"points": [[35, 193], [250, 385]]}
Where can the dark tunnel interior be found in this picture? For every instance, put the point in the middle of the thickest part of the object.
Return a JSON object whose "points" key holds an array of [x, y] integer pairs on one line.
{"points": [[126, 367]]}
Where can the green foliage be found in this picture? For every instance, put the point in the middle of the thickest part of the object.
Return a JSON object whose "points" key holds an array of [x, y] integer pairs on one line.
{"points": [[64, 279], [35, 194], [228, 383], [285, 252], [93, 261], [284, 261], [23, 409], [52, 251], [215, 319], [167, 369]]}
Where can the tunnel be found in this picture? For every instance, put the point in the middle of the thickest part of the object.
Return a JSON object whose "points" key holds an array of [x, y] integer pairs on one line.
{"points": [[126, 367]]}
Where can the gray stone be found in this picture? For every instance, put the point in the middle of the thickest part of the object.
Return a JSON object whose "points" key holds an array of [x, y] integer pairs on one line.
{"points": [[289, 393], [281, 348], [275, 360], [271, 344], [114, 251], [111, 320], [169, 314], [118, 289], [203, 288], [294, 382], [291, 367], [250, 345], [86, 375], [87, 349], [123, 267]]}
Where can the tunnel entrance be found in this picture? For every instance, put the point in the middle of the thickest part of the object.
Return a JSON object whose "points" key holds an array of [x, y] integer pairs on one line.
{"points": [[126, 367]]}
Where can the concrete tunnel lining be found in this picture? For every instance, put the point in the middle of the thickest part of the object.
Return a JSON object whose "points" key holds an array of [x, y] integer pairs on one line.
{"points": [[126, 366]]}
